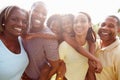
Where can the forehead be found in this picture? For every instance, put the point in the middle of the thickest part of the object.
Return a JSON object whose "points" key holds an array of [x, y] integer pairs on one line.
{"points": [[38, 7], [111, 20], [19, 13], [66, 19], [55, 22], [80, 16]]}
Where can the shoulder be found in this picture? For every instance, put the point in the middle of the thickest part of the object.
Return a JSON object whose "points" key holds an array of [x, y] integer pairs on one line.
{"points": [[116, 50], [64, 45], [116, 45], [116, 53], [48, 34], [48, 31]]}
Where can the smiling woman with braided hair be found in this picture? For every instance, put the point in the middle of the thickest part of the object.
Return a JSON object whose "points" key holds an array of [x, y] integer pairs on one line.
{"points": [[13, 58]]}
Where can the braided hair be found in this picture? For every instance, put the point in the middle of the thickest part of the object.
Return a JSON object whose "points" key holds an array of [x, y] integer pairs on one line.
{"points": [[5, 13]]}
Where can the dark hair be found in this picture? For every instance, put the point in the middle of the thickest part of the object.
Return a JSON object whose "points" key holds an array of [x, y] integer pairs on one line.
{"points": [[118, 20], [70, 16], [91, 35], [38, 3], [88, 16], [55, 17], [3, 17]]}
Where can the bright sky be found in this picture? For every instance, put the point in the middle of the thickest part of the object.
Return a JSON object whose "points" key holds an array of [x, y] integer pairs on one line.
{"points": [[98, 9]]}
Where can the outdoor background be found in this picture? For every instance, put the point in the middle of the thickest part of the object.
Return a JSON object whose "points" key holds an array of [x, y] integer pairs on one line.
{"points": [[98, 9]]}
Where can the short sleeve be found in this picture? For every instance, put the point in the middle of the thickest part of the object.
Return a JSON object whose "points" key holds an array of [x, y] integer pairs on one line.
{"points": [[62, 50]]}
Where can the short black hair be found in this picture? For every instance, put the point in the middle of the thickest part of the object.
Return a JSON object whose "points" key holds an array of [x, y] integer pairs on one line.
{"points": [[118, 20]]}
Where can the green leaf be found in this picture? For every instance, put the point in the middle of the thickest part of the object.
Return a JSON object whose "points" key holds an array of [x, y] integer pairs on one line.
{"points": [[118, 10]]}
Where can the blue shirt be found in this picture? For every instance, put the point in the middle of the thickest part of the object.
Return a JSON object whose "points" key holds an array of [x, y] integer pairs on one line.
{"points": [[12, 65]]}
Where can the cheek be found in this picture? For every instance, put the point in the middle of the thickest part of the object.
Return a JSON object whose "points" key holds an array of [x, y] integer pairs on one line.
{"points": [[84, 28], [25, 27], [7, 25], [9, 29], [113, 33]]}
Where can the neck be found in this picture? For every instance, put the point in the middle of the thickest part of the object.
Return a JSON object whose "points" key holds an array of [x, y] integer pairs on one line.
{"points": [[11, 43], [9, 37], [107, 43], [34, 30], [80, 40]]}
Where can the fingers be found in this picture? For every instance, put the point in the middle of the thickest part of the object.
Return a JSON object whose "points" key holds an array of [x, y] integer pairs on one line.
{"points": [[98, 68], [96, 65]]}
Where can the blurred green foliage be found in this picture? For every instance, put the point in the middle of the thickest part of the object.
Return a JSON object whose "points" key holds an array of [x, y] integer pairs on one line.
{"points": [[96, 27], [118, 10]]}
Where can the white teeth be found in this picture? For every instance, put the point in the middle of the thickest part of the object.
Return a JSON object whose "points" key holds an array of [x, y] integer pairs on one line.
{"points": [[37, 21], [104, 33], [18, 29]]}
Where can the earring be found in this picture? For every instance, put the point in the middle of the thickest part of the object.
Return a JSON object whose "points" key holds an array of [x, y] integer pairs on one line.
{"points": [[3, 24]]}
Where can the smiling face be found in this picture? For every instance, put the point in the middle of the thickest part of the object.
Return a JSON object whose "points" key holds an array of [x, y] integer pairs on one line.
{"points": [[16, 22], [108, 29], [67, 24], [38, 16], [81, 24], [55, 26]]}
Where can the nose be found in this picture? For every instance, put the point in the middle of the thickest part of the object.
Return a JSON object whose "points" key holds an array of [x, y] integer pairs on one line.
{"points": [[20, 23], [78, 24]]}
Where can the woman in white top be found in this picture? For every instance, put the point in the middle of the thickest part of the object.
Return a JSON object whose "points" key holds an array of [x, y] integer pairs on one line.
{"points": [[13, 58]]}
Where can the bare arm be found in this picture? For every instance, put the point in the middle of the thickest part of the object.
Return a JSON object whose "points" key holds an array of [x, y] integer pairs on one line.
{"points": [[39, 35], [54, 68], [61, 71]]}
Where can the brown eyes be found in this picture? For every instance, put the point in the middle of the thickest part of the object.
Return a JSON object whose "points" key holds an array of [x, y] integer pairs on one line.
{"points": [[103, 24], [17, 20]]}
